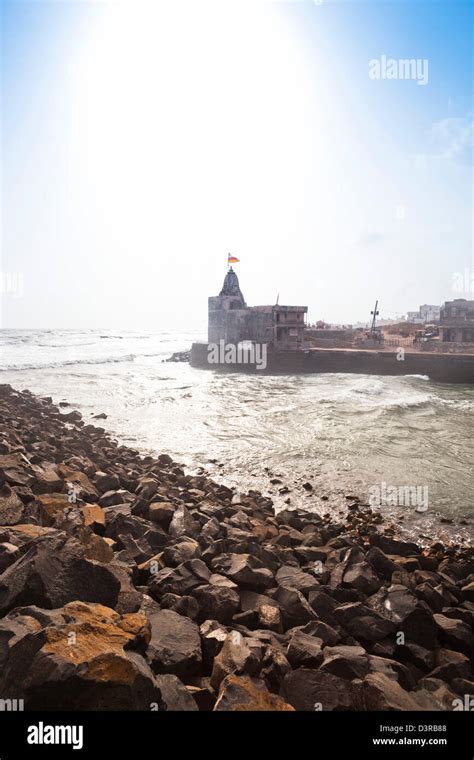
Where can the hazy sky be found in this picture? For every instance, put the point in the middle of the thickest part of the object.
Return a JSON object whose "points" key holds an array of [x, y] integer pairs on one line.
{"points": [[143, 140]]}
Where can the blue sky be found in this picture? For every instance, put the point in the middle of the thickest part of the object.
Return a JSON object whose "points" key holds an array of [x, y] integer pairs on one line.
{"points": [[142, 140]]}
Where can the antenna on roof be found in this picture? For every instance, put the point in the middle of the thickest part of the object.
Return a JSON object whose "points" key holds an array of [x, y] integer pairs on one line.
{"points": [[278, 298]]}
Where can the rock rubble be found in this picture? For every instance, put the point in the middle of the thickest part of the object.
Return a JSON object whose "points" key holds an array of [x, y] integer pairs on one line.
{"points": [[127, 584]]}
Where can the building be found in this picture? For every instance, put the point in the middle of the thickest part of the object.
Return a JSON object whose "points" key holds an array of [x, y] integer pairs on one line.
{"points": [[456, 323], [232, 321], [430, 313], [427, 313], [227, 312]]}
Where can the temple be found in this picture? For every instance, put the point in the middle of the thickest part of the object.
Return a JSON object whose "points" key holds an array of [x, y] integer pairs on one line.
{"points": [[231, 320]]}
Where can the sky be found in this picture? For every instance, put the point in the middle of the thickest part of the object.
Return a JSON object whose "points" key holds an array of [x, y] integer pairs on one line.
{"points": [[143, 140]]}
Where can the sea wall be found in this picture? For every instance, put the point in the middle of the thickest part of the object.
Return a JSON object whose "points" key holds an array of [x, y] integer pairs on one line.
{"points": [[447, 368]]}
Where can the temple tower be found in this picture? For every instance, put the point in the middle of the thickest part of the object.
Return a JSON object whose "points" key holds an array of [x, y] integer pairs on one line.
{"points": [[227, 312]]}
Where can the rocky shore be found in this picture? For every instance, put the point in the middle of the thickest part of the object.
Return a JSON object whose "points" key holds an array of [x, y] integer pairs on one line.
{"points": [[127, 584]]}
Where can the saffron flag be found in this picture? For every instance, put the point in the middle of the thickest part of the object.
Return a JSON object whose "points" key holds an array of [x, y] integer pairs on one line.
{"points": [[231, 259]]}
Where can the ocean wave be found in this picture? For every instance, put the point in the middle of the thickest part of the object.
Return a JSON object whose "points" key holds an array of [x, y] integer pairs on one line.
{"points": [[76, 362], [407, 402]]}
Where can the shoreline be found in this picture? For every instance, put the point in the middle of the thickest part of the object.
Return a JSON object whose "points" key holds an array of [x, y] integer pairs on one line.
{"points": [[140, 584]]}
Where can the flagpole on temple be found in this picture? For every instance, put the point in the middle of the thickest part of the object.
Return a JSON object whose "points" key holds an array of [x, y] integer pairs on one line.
{"points": [[231, 260]]}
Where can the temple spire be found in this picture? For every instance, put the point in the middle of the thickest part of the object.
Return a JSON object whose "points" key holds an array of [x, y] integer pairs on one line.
{"points": [[231, 285]]}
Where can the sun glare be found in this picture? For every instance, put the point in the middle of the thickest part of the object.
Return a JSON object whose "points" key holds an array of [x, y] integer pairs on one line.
{"points": [[194, 122]]}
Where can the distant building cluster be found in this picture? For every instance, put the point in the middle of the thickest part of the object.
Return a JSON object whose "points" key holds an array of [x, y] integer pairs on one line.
{"points": [[283, 327], [455, 320], [427, 313]]}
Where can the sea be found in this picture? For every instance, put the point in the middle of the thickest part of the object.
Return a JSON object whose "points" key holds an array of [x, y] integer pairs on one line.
{"points": [[403, 445]]}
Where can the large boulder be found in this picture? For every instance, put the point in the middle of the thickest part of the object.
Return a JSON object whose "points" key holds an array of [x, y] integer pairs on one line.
{"points": [[275, 667], [383, 565], [180, 580], [12, 509], [174, 696], [361, 577], [47, 479], [183, 524], [294, 607], [53, 572], [9, 553], [363, 623], [161, 512], [329, 635], [216, 602], [394, 546], [304, 651], [346, 661], [184, 549], [409, 614], [379, 692], [15, 470], [242, 693], [314, 690], [455, 634], [79, 483], [244, 569], [82, 657], [236, 656], [451, 665], [293, 577], [175, 645]]}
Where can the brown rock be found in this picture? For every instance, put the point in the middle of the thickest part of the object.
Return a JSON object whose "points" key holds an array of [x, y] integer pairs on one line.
{"points": [[15, 470], [175, 645], [161, 512], [216, 603], [104, 482], [450, 665], [304, 651], [180, 580], [53, 572], [9, 553], [236, 656], [244, 569], [182, 523], [82, 661], [275, 667], [270, 617], [313, 690], [12, 508], [410, 615], [295, 609], [174, 696], [346, 661], [47, 479], [455, 634], [293, 577], [241, 693], [79, 483], [378, 692]]}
